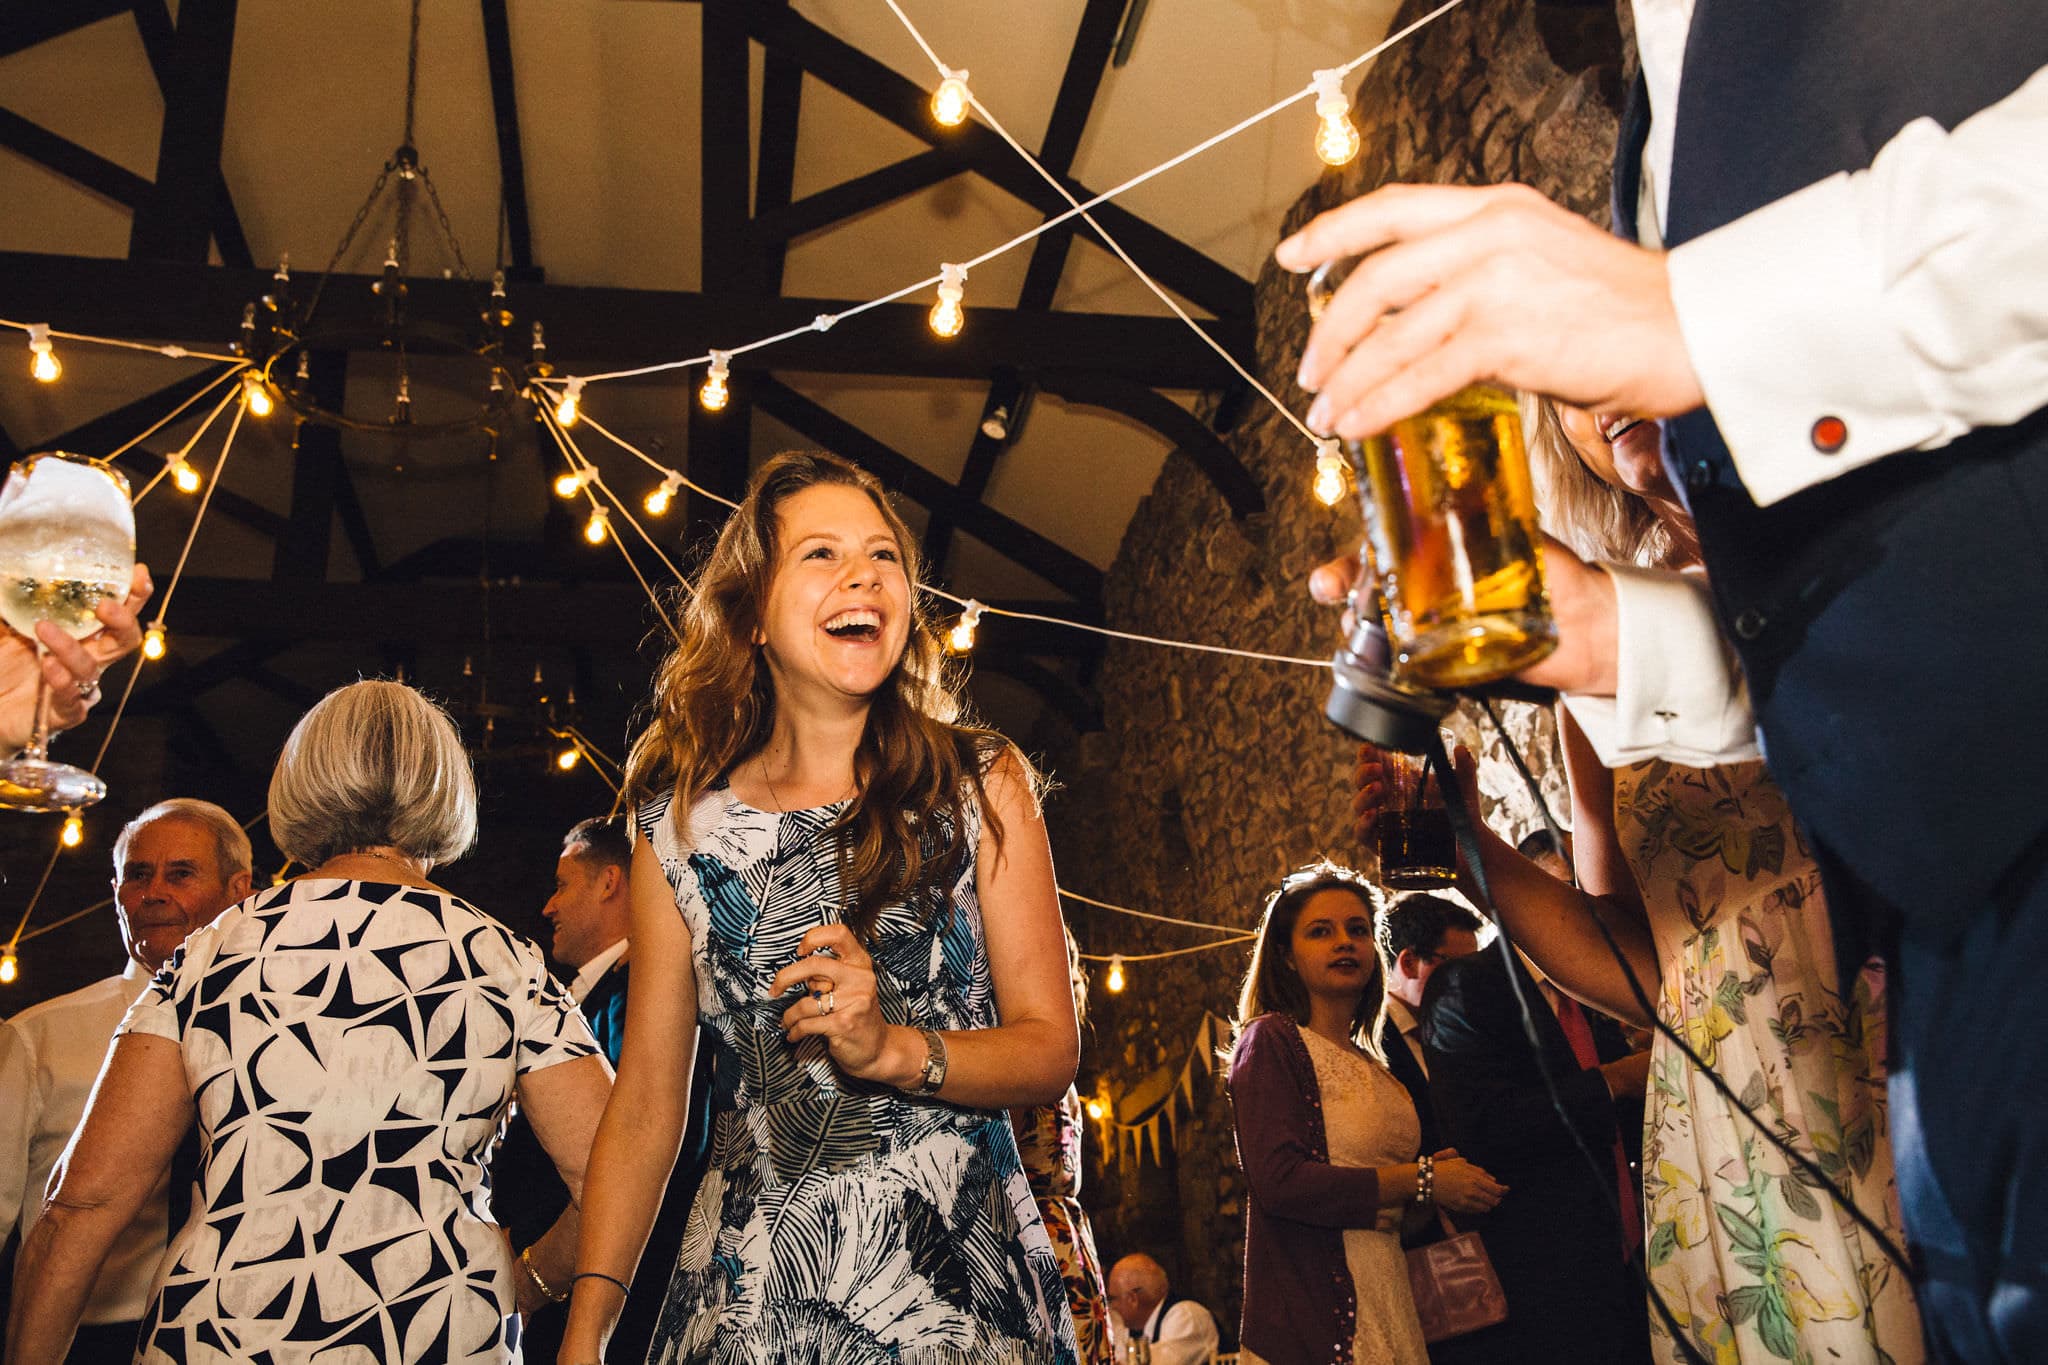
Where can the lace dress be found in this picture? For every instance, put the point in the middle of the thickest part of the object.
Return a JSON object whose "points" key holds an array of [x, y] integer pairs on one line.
{"points": [[840, 1221], [1370, 1121], [1755, 1264]]}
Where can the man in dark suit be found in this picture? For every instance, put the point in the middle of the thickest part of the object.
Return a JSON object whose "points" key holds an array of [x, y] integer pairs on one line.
{"points": [[591, 914], [1556, 1240], [1417, 935], [1839, 309]]}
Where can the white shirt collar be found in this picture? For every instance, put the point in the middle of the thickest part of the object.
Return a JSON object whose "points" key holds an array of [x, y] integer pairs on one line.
{"points": [[1403, 1017], [591, 972]]}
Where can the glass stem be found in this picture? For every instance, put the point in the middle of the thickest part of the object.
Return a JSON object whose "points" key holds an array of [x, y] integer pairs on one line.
{"points": [[38, 740]]}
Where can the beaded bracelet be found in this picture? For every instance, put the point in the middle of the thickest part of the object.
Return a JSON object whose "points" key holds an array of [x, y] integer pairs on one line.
{"points": [[1425, 1179]]}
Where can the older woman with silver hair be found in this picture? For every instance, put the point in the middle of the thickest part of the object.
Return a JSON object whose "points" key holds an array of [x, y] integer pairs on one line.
{"points": [[347, 1043]]}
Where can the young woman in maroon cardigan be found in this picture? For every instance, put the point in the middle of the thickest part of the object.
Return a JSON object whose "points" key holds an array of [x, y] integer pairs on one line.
{"points": [[1327, 1138]]}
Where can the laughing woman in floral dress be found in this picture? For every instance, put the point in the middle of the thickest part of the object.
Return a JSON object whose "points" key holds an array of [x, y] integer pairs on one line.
{"points": [[849, 897]]}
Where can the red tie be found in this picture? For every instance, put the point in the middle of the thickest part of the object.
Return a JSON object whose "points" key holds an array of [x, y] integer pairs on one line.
{"points": [[1578, 1031]]}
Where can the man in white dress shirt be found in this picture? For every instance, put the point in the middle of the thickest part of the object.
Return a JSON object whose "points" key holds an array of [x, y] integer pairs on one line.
{"points": [[176, 866], [1847, 342], [1177, 1331]]}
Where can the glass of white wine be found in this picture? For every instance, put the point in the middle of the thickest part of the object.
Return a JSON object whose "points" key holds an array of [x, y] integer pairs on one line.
{"points": [[67, 543]]}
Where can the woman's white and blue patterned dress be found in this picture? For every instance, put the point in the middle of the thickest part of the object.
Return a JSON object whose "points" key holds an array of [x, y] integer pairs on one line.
{"points": [[839, 1220]]}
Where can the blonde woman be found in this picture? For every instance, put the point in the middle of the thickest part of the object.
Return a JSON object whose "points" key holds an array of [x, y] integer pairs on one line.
{"points": [[847, 894], [1709, 888], [347, 1044]]}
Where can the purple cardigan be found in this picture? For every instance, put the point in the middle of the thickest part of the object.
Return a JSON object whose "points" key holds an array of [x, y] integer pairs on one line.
{"points": [[1299, 1306]]}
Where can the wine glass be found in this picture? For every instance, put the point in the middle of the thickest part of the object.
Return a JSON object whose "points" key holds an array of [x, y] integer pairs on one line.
{"points": [[67, 541]]}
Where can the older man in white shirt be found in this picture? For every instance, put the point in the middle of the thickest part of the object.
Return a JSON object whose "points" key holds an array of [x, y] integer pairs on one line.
{"points": [[176, 866], [1175, 1331]]}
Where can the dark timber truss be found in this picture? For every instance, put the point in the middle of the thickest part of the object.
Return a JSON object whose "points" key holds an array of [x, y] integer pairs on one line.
{"points": [[167, 289]]}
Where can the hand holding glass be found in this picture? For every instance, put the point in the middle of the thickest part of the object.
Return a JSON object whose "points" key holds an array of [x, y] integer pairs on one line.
{"points": [[1450, 526], [67, 543]]}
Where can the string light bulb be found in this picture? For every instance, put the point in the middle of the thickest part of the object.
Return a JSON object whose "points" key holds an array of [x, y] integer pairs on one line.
{"points": [[1097, 1110], [714, 393], [574, 481], [960, 639], [567, 411], [1333, 480], [256, 394], [663, 497], [599, 527], [1337, 140], [1113, 980], [10, 968], [43, 362], [183, 476], [73, 833], [568, 758], [153, 641], [947, 316], [951, 100]]}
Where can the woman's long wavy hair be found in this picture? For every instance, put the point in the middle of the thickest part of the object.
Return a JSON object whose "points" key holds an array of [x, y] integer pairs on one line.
{"points": [[713, 706], [1271, 984], [1602, 523]]}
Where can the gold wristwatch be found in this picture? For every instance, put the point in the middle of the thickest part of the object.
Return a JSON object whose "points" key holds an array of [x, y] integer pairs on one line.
{"points": [[934, 1074]]}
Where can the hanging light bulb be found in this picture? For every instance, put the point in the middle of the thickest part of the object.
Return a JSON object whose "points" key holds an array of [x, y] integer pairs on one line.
{"points": [[599, 526], [183, 475], [566, 411], [1336, 136], [568, 758], [153, 641], [947, 316], [1097, 1110], [43, 363], [960, 639], [256, 394], [1332, 478], [10, 968], [574, 481], [951, 100], [714, 393], [663, 497], [74, 831], [1113, 981]]}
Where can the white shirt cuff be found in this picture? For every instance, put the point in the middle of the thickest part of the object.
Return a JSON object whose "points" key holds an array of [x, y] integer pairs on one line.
{"points": [[1679, 693], [1785, 319]]}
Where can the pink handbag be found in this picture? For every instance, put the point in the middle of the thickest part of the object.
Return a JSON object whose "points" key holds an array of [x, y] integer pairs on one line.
{"points": [[1454, 1285]]}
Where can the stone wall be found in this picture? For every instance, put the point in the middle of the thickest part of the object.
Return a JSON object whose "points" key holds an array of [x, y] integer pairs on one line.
{"points": [[1214, 776]]}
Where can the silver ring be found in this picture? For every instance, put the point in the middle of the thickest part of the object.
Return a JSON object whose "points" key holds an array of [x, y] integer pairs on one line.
{"points": [[826, 1004], [88, 688]]}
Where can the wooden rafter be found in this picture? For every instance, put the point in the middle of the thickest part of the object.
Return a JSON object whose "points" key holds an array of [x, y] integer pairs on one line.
{"points": [[511, 157], [604, 327], [174, 222], [159, 40], [1190, 273]]}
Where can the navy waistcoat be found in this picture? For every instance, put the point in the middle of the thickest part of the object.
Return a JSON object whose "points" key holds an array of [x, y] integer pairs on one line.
{"points": [[1893, 621]]}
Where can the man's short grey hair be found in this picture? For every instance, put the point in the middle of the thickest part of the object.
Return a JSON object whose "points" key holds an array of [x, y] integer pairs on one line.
{"points": [[373, 764], [232, 853]]}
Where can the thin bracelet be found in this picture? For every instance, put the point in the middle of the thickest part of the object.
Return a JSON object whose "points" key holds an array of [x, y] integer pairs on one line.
{"points": [[1425, 1179], [600, 1275], [533, 1273]]}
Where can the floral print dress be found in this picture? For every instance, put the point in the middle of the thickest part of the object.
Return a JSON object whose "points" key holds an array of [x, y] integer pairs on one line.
{"points": [[1755, 1264], [1049, 1140], [841, 1221]]}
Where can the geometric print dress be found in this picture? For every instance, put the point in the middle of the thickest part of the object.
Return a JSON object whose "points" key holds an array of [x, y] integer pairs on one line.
{"points": [[1756, 1264], [841, 1221], [352, 1048]]}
